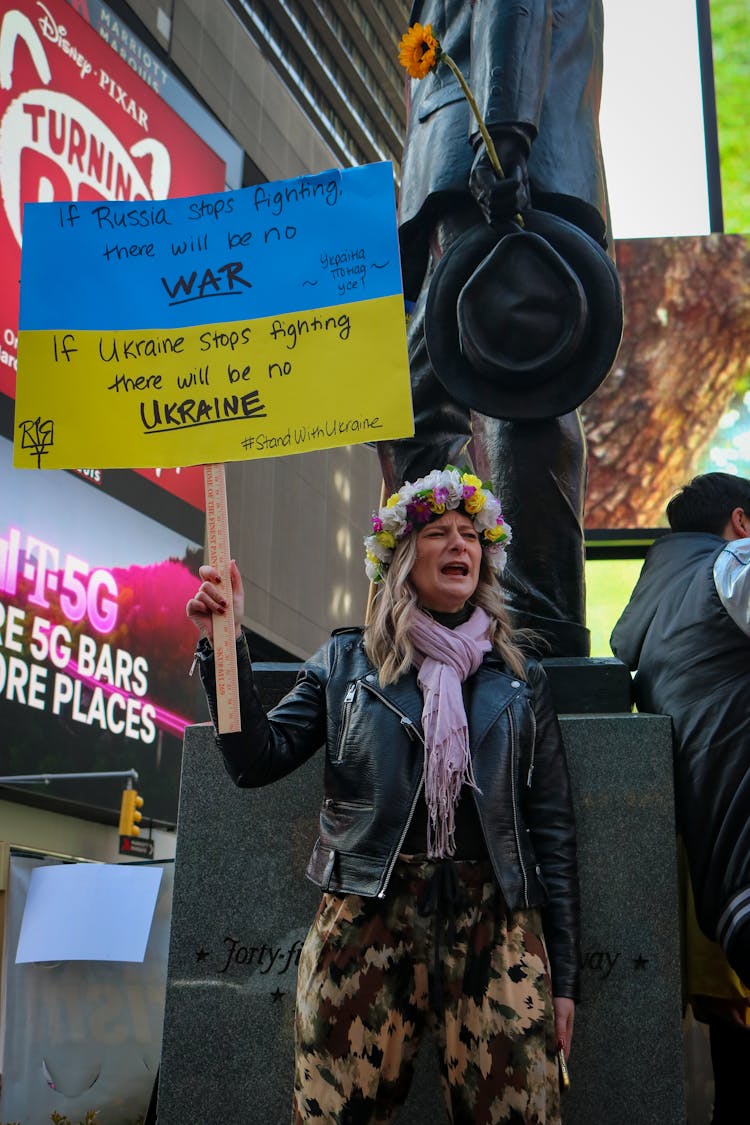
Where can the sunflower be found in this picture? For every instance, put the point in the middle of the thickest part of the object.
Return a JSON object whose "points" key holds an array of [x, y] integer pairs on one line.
{"points": [[419, 50]]}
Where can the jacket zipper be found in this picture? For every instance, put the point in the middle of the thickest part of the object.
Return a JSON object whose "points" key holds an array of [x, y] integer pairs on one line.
{"points": [[351, 691], [513, 803], [533, 747], [413, 734], [397, 849], [333, 803]]}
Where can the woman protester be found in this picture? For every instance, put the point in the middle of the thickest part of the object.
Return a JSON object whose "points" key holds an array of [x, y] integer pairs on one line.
{"points": [[446, 853]]}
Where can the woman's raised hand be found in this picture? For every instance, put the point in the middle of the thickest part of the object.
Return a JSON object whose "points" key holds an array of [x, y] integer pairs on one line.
{"points": [[211, 597]]}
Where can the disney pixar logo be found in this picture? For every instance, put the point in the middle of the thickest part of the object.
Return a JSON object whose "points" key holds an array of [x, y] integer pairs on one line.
{"points": [[56, 33]]}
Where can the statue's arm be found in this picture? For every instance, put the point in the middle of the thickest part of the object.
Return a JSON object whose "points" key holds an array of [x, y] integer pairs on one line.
{"points": [[510, 50]]}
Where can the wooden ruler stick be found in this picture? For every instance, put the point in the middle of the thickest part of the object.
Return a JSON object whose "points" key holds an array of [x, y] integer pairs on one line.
{"points": [[225, 646]]}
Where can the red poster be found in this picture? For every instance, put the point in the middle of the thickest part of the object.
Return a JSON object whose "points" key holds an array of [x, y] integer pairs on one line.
{"points": [[76, 122]]}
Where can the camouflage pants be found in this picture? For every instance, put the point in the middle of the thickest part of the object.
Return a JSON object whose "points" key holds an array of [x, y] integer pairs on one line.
{"points": [[374, 975]]}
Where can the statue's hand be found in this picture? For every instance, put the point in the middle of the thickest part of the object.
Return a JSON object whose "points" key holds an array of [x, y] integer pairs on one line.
{"points": [[500, 199]]}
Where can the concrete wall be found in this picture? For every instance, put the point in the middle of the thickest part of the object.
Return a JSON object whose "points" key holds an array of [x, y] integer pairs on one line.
{"points": [[296, 526]]}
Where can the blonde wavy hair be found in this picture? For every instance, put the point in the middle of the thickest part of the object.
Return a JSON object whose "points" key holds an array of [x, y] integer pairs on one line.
{"points": [[386, 638]]}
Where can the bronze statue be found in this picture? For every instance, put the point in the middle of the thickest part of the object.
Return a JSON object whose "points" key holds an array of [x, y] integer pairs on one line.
{"points": [[511, 329]]}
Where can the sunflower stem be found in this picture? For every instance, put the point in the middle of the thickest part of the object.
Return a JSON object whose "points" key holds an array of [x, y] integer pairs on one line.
{"points": [[489, 143]]}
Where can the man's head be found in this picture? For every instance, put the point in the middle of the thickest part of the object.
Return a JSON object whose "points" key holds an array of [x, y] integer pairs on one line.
{"points": [[716, 503]]}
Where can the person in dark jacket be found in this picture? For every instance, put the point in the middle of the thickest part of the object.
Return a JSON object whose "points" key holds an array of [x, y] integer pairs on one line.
{"points": [[446, 854], [686, 634], [535, 70]]}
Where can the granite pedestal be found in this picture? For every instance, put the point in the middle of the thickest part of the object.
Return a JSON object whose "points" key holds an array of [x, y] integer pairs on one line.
{"points": [[242, 906]]}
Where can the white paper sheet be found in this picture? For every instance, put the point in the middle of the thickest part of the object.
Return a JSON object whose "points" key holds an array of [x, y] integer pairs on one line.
{"points": [[88, 912]]}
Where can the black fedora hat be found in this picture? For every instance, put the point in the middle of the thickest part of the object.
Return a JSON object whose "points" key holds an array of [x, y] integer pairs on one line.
{"points": [[523, 323]]}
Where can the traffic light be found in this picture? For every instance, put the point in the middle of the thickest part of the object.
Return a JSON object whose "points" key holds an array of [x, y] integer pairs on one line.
{"points": [[129, 812]]}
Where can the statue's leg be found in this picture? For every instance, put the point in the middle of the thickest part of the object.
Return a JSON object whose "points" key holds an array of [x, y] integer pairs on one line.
{"points": [[538, 469], [442, 427]]}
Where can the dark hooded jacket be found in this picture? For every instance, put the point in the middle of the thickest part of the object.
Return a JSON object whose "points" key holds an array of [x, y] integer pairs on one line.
{"points": [[373, 777], [692, 662]]}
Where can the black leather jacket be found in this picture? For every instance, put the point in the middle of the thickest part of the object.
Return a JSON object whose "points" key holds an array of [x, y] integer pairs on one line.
{"points": [[374, 777]]}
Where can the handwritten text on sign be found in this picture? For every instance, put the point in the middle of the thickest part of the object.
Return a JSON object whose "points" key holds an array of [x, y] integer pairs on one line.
{"points": [[246, 324]]}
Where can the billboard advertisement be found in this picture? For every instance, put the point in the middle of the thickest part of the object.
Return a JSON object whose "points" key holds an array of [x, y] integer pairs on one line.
{"points": [[147, 65], [95, 565], [95, 647]]}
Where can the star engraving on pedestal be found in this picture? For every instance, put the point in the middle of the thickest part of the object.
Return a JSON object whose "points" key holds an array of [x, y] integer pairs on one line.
{"points": [[640, 961], [201, 954], [277, 994]]}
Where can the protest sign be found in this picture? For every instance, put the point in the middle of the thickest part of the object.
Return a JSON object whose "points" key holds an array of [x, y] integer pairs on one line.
{"points": [[223, 327]]}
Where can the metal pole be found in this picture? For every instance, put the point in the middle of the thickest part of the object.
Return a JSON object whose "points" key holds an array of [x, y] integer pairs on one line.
{"points": [[45, 778], [710, 123]]}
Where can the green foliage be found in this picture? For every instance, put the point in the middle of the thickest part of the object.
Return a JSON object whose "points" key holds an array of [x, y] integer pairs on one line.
{"points": [[730, 32], [742, 385], [609, 584]]}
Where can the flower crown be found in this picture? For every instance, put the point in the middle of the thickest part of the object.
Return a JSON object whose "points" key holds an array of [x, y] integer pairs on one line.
{"points": [[417, 503]]}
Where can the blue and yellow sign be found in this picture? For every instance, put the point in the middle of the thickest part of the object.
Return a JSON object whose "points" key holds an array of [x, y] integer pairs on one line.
{"points": [[223, 327]]}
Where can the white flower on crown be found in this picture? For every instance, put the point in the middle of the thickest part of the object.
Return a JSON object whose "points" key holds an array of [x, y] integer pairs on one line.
{"points": [[373, 571], [455, 488], [490, 513], [394, 518]]}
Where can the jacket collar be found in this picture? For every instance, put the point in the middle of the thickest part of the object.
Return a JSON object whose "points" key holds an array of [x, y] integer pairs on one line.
{"points": [[492, 689]]}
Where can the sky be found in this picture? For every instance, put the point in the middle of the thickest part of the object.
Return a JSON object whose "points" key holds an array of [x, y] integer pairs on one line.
{"points": [[652, 119]]}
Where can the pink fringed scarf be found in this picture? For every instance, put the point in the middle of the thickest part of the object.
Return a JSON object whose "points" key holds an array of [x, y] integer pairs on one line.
{"points": [[445, 658]]}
